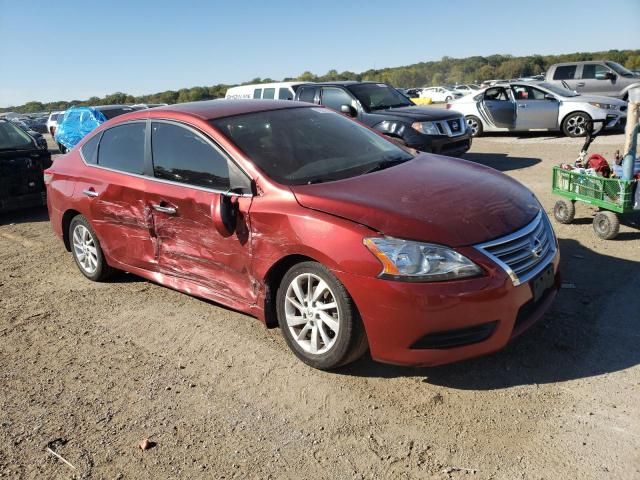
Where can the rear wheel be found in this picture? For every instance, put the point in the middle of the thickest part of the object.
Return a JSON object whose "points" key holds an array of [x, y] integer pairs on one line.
{"points": [[564, 211], [474, 124], [86, 250], [606, 225], [576, 124], [318, 319]]}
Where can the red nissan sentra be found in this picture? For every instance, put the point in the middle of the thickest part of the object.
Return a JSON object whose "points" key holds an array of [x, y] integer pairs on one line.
{"points": [[310, 221]]}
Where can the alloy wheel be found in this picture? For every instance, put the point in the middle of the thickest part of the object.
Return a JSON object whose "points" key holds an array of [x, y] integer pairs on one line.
{"points": [[84, 248], [472, 123], [312, 313], [577, 126]]}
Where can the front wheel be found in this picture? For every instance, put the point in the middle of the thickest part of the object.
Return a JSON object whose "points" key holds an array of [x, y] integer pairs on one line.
{"points": [[475, 125], [564, 211], [606, 225], [318, 318], [576, 124]]}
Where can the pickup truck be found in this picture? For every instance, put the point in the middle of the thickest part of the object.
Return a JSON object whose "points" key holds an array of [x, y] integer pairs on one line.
{"points": [[594, 78], [391, 113]]}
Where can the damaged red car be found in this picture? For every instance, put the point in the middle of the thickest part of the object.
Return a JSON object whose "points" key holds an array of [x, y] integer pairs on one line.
{"points": [[311, 221]]}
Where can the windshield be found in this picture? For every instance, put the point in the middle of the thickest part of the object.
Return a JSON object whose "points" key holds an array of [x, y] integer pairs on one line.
{"points": [[378, 96], [296, 146], [13, 138], [563, 92], [619, 69]]}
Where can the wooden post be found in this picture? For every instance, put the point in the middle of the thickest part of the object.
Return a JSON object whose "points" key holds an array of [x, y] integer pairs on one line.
{"points": [[632, 117]]}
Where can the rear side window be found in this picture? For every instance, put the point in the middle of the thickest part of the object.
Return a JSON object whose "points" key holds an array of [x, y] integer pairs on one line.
{"points": [[90, 150], [566, 72], [284, 94], [257, 93], [307, 94], [269, 93], [122, 148], [183, 156]]}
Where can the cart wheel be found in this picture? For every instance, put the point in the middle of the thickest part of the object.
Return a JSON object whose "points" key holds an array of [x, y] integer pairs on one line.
{"points": [[606, 225], [564, 211]]}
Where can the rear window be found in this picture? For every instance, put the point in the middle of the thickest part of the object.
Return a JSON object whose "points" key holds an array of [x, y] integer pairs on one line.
{"points": [[122, 148], [90, 149], [257, 93], [307, 94], [269, 93], [284, 94], [566, 72], [13, 138]]}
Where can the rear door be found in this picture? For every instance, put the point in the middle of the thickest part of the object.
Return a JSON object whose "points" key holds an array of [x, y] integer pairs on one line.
{"points": [[595, 79], [498, 107], [568, 74], [190, 174], [115, 190], [533, 109]]}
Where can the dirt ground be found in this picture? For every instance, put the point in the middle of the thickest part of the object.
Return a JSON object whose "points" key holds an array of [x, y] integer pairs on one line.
{"points": [[96, 368]]}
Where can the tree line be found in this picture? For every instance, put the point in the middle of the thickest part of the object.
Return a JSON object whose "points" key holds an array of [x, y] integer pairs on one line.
{"points": [[445, 71]]}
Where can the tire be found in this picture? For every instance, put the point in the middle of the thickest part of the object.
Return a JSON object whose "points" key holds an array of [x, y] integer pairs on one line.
{"points": [[564, 211], [86, 250], [319, 343], [575, 124], [606, 225], [474, 124], [448, 99], [62, 148]]}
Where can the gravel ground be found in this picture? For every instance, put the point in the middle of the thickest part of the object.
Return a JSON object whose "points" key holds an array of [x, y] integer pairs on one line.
{"points": [[91, 369]]}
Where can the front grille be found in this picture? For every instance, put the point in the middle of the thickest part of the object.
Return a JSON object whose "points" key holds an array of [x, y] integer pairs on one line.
{"points": [[456, 338], [524, 253], [452, 128]]}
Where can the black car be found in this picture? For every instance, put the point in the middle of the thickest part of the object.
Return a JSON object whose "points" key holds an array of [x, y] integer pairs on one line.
{"points": [[384, 109], [22, 163], [37, 136]]}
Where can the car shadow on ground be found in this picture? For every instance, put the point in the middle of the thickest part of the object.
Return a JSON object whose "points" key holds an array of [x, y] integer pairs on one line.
{"points": [[27, 215], [541, 134], [592, 329], [501, 161]]}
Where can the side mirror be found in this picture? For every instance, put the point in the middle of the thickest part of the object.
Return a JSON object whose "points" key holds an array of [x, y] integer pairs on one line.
{"points": [[348, 110], [605, 76], [224, 212], [548, 96]]}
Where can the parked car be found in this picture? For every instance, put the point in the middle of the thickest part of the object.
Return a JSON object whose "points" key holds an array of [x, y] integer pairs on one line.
{"points": [[37, 137], [79, 121], [22, 163], [52, 122], [440, 94], [594, 78], [467, 89], [308, 220], [265, 91], [523, 106], [382, 108]]}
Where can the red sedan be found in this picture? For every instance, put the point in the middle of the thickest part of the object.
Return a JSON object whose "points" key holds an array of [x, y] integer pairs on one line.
{"points": [[310, 221]]}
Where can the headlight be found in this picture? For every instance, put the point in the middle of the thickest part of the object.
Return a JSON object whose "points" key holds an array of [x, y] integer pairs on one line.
{"points": [[605, 106], [392, 127], [417, 261], [428, 128]]}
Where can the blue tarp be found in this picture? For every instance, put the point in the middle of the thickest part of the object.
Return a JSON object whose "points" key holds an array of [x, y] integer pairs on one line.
{"points": [[77, 122]]}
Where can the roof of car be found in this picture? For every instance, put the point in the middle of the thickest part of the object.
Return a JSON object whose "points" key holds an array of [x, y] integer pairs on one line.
{"points": [[211, 109], [343, 83]]}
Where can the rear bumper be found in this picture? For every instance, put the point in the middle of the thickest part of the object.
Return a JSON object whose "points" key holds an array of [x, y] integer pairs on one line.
{"points": [[426, 324], [18, 202]]}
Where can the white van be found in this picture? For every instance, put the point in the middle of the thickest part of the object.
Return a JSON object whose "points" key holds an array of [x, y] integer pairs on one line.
{"points": [[277, 91]]}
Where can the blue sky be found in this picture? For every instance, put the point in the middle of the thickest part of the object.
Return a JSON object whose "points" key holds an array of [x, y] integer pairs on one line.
{"points": [[65, 50]]}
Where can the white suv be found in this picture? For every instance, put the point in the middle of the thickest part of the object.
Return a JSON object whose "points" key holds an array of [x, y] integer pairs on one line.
{"points": [[52, 121], [440, 94]]}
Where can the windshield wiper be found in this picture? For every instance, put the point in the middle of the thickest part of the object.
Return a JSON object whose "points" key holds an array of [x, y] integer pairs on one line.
{"points": [[386, 163]]}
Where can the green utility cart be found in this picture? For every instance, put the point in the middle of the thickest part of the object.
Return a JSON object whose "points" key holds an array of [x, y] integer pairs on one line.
{"points": [[613, 195]]}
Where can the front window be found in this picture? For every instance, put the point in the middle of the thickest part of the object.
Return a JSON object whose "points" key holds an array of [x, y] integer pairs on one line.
{"points": [[563, 92], [593, 70], [619, 69], [13, 138], [378, 96], [296, 146]]}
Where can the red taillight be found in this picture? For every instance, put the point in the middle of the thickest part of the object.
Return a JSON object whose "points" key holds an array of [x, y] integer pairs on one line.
{"points": [[48, 177]]}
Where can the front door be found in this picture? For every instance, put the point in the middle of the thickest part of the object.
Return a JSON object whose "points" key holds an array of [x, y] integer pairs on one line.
{"points": [[190, 175], [498, 108], [597, 79], [115, 193], [534, 109]]}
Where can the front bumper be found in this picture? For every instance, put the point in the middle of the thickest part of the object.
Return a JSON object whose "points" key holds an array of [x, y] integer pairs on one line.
{"points": [[441, 144], [414, 323]]}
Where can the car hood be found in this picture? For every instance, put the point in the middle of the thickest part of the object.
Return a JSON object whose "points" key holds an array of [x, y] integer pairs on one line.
{"points": [[595, 99], [430, 198], [418, 113]]}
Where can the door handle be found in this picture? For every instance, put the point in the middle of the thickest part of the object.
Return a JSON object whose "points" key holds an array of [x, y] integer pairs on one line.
{"points": [[90, 192], [522, 105], [580, 84], [163, 209]]}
